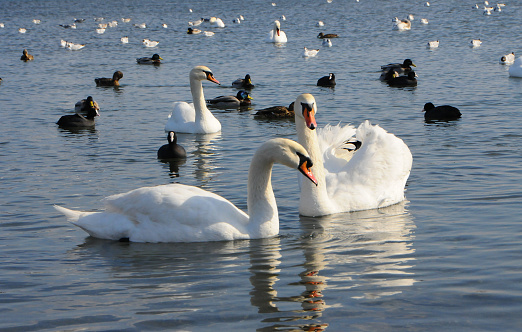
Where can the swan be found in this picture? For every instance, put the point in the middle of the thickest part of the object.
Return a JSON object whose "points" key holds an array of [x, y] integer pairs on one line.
{"points": [[194, 118], [181, 213], [507, 59], [373, 176], [328, 81], [276, 34], [154, 60], [172, 150], [114, 81], [444, 112], [26, 56], [516, 68]]}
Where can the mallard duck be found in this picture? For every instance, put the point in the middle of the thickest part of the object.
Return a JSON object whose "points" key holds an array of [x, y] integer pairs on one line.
{"points": [[444, 112], [78, 120], [242, 98], [276, 112], [114, 81], [327, 81], [26, 56], [401, 68], [172, 150], [403, 81], [328, 35], [155, 60], [243, 83], [193, 31], [84, 105]]}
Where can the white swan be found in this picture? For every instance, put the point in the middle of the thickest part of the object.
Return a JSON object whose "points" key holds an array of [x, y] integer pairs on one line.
{"points": [[276, 35], [194, 118], [181, 213], [516, 68], [370, 177]]}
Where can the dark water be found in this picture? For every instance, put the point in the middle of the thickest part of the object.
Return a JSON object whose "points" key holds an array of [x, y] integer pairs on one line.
{"points": [[446, 259]]}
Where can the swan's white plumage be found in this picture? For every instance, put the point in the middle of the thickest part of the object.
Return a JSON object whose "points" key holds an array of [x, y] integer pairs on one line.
{"points": [[276, 35], [373, 176], [194, 117], [180, 213]]}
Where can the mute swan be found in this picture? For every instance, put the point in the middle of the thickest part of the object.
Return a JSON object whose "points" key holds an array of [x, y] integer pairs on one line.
{"points": [[194, 118], [516, 68], [276, 34], [328, 81], [105, 81], [155, 60], [26, 56], [79, 121], [181, 213], [242, 98], [403, 81], [172, 150], [373, 176], [444, 112]]}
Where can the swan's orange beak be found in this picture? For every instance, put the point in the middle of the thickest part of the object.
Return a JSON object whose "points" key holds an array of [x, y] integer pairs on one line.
{"points": [[304, 167], [277, 30], [211, 78], [309, 115]]}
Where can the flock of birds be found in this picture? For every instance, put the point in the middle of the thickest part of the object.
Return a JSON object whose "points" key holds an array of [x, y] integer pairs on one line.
{"points": [[335, 161]]}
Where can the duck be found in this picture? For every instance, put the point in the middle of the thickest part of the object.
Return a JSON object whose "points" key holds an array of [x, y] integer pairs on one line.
{"points": [[149, 43], [327, 42], [401, 25], [432, 44], [276, 112], [310, 53], [68, 26], [242, 98], [328, 35], [194, 118], [193, 31], [516, 68], [26, 56], [388, 75], [243, 83], [181, 213], [154, 60], [401, 68], [356, 168], [403, 81], [78, 120], [327, 81], [475, 43], [276, 35], [444, 112], [172, 150], [85, 105], [114, 81], [507, 59]]}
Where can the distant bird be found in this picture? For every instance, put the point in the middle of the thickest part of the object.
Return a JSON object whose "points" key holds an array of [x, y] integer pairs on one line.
{"points": [[310, 53], [242, 98], [37, 21], [78, 120], [403, 81], [276, 112], [424, 21], [328, 35], [196, 23], [100, 31], [208, 33], [68, 26], [2, 25], [73, 46], [243, 83], [327, 42], [400, 68], [164, 25], [217, 22], [427, 4], [79, 20], [150, 43], [237, 20], [433, 44], [85, 105], [507, 59], [155, 60], [113, 24], [22, 30], [444, 112], [114, 81], [475, 42], [319, 24], [276, 35], [327, 81], [125, 20], [26, 56], [516, 68], [401, 25], [140, 25], [172, 150], [193, 31], [124, 40]]}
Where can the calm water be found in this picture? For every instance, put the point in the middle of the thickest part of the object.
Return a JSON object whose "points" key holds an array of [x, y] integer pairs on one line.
{"points": [[449, 258]]}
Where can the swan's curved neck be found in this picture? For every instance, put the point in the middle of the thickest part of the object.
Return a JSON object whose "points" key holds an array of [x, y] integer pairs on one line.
{"points": [[262, 207], [202, 112], [313, 198]]}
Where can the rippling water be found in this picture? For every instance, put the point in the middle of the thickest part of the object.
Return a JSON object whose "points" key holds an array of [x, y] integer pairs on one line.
{"points": [[446, 259]]}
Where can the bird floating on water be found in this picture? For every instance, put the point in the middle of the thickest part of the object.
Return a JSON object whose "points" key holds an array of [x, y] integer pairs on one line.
{"points": [[105, 81], [154, 60], [507, 59]]}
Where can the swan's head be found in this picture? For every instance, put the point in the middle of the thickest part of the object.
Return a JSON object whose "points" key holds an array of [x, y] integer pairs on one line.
{"points": [[305, 109], [277, 26], [408, 63], [289, 153], [201, 73]]}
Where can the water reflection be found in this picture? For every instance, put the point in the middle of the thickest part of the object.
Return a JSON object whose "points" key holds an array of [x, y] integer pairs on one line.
{"points": [[202, 152], [173, 166]]}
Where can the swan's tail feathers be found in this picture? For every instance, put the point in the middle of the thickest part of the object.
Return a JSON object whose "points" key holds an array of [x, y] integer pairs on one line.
{"points": [[351, 145], [71, 215]]}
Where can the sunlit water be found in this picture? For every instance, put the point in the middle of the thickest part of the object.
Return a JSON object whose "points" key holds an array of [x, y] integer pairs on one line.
{"points": [[446, 259]]}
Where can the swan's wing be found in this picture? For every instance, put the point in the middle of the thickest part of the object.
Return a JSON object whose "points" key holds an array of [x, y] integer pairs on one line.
{"points": [[376, 174], [182, 114], [335, 144]]}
